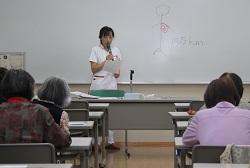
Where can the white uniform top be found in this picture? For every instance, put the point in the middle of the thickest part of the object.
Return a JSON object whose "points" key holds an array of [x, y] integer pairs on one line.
{"points": [[103, 79]]}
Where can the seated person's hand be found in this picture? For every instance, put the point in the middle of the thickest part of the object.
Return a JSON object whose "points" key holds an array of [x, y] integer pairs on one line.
{"points": [[191, 112]]}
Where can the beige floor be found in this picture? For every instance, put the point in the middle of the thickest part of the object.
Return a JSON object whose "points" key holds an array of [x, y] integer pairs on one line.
{"points": [[140, 157]]}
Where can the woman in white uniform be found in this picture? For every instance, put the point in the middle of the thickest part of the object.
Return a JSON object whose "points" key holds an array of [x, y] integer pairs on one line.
{"points": [[101, 78]]}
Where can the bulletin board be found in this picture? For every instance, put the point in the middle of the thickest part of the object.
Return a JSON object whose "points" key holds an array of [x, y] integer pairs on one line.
{"points": [[12, 60]]}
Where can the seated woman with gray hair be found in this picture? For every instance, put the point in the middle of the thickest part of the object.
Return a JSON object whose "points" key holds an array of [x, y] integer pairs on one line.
{"points": [[22, 121], [55, 95]]}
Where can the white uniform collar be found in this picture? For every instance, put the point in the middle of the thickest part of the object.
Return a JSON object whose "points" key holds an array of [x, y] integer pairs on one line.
{"points": [[101, 46]]}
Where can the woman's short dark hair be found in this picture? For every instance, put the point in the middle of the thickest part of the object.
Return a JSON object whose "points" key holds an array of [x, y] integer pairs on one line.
{"points": [[105, 31], [237, 82], [17, 83], [222, 89], [55, 90]]}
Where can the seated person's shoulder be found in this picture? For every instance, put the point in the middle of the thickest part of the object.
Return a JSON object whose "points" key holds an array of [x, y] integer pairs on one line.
{"points": [[34, 101], [244, 105], [38, 108]]}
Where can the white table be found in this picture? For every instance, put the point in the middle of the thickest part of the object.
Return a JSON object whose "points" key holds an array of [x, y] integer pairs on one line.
{"points": [[179, 116], [96, 116], [182, 125], [182, 150], [99, 108], [218, 165], [81, 125], [82, 146], [104, 107], [182, 106]]}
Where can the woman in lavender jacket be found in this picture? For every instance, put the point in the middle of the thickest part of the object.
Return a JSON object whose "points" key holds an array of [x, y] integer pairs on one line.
{"points": [[222, 123]]}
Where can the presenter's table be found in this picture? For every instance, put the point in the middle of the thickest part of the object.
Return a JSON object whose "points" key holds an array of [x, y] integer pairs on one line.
{"points": [[141, 114]]}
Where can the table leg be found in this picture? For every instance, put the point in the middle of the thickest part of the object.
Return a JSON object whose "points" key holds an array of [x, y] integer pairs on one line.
{"points": [[183, 158], [85, 155], [103, 162], [175, 158], [96, 141]]}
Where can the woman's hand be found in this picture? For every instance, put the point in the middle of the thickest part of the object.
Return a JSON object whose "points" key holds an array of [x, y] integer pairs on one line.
{"points": [[110, 57]]}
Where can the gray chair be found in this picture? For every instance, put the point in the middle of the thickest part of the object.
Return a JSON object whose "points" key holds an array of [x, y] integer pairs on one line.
{"points": [[78, 115], [78, 105], [27, 153], [207, 154], [196, 105], [74, 109]]}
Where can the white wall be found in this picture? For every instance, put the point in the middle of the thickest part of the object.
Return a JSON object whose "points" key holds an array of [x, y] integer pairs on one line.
{"points": [[195, 37]]}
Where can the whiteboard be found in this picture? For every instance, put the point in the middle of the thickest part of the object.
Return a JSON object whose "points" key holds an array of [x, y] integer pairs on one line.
{"points": [[163, 41]]}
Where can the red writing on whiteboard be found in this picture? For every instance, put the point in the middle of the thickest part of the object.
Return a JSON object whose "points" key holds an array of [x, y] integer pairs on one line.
{"points": [[186, 41]]}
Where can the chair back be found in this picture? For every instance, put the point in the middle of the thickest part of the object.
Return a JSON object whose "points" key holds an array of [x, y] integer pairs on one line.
{"points": [[78, 114], [107, 93], [78, 105], [27, 153], [196, 105], [207, 154]]}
